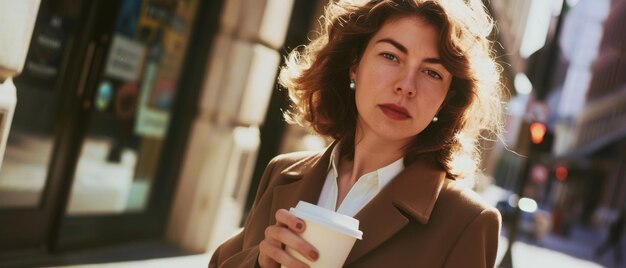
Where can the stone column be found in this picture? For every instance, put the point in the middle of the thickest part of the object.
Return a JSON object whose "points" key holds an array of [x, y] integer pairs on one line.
{"points": [[243, 65]]}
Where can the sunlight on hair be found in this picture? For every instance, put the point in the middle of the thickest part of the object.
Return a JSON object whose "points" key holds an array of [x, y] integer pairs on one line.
{"points": [[461, 162], [464, 163], [318, 88], [356, 2], [313, 142]]}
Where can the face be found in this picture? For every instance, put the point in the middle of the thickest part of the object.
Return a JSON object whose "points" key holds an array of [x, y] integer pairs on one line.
{"points": [[400, 81]]}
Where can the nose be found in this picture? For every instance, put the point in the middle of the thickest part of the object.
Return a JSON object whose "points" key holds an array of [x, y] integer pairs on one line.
{"points": [[407, 84], [409, 92]]}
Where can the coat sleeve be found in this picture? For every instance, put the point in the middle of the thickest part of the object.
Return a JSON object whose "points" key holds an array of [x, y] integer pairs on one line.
{"points": [[478, 244], [231, 253]]}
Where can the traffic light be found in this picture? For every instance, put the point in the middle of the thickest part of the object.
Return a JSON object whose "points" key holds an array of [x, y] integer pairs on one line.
{"points": [[537, 131], [541, 138], [561, 173]]}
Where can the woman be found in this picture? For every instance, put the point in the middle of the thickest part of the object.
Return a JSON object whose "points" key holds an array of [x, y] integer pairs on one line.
{"points": [[405, 88]]}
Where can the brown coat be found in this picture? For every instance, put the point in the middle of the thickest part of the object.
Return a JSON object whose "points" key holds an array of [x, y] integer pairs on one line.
{"points": [[420, 219]]}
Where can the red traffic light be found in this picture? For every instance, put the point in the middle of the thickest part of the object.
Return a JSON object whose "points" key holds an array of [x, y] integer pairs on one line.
{"points": [[537, 132], [561, 173]]}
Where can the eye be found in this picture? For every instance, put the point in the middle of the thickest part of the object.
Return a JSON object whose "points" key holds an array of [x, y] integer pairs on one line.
{"points": [[433, 74], [389, 56]]}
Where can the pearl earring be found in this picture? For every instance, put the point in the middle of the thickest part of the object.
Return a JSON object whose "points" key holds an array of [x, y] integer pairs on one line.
{"points": [[435, 119], [352, 84]]}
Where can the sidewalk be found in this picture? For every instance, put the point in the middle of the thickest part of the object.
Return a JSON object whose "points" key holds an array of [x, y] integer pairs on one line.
{"points": [[525, 255], [574, 251], [201, 260], [579, 245]]}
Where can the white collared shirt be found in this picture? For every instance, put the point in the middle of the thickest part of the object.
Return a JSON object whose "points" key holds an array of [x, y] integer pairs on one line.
{"points": [[362, 192]]}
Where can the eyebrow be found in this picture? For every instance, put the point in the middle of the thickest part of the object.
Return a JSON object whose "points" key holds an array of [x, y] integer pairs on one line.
{"points": [[394, 43], [404, 50]]}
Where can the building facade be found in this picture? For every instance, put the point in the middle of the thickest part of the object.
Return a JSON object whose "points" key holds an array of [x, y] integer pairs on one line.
{"points": [[584, 178], [601, 127], [143, 119]]}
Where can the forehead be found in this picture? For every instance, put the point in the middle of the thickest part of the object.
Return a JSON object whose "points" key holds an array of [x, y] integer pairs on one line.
{"points": [[413, 32]]}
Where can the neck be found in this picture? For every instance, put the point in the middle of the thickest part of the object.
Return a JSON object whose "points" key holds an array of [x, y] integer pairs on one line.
{"points": [[370, 154]]}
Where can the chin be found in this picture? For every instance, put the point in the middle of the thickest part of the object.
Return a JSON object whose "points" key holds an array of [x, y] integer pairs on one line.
{"points": [[396, 137]]}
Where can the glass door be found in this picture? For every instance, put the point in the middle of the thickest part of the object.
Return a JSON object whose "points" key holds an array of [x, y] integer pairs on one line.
{"points": [[30, 175], [29, 148], [85, 162], [128, 109], [131, 107]]}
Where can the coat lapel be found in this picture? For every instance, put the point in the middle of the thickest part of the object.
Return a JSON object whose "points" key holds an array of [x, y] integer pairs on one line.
{"points": [[412, 193], [378, 220], [308, 175]]}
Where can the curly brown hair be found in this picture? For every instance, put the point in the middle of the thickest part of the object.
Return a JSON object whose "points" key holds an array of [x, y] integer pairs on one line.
{"points": [[316, 76]]}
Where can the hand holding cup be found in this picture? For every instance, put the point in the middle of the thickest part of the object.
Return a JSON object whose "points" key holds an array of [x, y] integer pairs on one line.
{"points": [[285, 233], [332, 233]]}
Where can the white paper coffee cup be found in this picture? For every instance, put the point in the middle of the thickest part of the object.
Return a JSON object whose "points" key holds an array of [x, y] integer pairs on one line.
{"points": [[331, 233]]}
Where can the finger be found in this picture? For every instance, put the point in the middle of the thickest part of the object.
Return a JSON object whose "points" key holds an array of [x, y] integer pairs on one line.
{"points": [[284, 217], [265, 260], [278, 255], [270, 238], [292, 240]]}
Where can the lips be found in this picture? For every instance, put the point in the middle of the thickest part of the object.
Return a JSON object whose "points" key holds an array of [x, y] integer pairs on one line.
{"points": [[395, 112]]}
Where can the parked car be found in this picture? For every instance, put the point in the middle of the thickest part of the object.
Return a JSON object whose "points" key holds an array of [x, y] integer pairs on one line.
{"points": [[528, 213]]}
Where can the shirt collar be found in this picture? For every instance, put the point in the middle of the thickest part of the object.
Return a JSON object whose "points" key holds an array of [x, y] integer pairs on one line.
{"points": [[388, 172], [415, 190], [334, 159], [383, 175]]}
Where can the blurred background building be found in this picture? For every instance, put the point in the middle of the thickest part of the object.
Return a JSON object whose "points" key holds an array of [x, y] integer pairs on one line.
{"points": [[143, 126], [142, 120], [573, 85]]}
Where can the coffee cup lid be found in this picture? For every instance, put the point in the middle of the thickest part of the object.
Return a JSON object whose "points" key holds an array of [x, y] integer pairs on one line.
{"points": [[328, 218]]}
